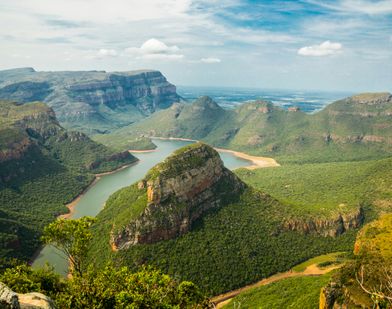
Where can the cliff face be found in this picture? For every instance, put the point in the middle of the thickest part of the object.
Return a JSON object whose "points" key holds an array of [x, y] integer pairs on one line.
{"points": [[31, 132], [91, 99], [327, 227], [177, 192]]}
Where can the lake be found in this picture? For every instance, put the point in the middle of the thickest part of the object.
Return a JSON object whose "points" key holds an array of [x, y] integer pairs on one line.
{"points": [[94, 199]]}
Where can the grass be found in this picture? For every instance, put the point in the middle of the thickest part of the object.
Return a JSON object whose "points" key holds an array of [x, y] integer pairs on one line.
{"points": [[295, 293], [321, 261], [325, 189]]}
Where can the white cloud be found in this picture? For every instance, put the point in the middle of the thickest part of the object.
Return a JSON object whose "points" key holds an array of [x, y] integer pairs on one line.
{"points": [[155, 49], [107, 53], [326, 48], [210, 60], [381, 7]]}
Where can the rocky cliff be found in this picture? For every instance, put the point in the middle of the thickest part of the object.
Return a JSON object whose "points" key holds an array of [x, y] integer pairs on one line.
{"points": [[91, 100], [333, 226], [31, 131], [175, 193]]}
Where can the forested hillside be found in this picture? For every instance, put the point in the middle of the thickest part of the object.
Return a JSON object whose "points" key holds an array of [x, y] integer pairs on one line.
{"points": [[43, 167]]}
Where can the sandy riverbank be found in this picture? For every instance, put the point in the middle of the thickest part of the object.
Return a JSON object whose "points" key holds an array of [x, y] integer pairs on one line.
{"points": [[75, 201], [142, 151], [258, 162]]}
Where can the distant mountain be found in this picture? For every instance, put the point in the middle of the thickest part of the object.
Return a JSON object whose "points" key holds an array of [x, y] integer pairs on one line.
{"points": [[355, 128], [91, 101], [43, 166]]}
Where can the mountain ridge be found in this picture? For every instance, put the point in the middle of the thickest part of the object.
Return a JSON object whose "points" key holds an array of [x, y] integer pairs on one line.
{"points": [[91, 101]]}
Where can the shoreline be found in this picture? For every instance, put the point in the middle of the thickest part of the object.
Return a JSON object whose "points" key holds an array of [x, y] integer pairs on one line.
{"points": [[71, 205], [141, 151], [258, 162]]}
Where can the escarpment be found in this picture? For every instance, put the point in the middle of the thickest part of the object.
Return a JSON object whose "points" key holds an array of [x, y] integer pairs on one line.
{"points": [[91, 101], [175, 193], [30, 133], [333, 226]]}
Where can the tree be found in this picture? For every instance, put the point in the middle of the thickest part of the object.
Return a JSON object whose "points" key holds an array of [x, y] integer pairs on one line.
{"points": [[72, 237]]}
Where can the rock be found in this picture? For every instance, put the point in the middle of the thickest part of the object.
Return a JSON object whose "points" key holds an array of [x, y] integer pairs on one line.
{"points": [[326, 227], [35, 301], [12, 300], [328, 296], [179, 191], [8, 298], [91, 100], [293, 109]]}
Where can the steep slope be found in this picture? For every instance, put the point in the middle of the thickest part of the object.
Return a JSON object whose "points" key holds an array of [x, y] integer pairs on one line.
{"points": [[43, 167], [176, 193], [347, 191], [91, 101], [356, 128], [365, 281], [196, 121], [196, 220]]}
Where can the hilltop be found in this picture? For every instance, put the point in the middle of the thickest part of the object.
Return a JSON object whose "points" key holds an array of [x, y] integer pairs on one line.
{"points": [[355, 128], [194, 219], [43, 166], [91, 101]]}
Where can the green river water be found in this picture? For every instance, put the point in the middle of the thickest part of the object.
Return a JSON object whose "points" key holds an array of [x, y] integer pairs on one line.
{"points": [[93, 200]]}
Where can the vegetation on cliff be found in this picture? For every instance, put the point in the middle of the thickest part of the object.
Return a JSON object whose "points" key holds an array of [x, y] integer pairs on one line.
{"points": [[227, 247], [329, 189], [365, 281], [43, 167]]}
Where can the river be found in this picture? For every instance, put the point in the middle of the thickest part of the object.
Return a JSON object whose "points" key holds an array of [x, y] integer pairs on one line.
{"points": [[93, 200]]}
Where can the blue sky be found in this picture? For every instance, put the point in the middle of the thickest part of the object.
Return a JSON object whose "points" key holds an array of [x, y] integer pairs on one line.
{"points": [[307, 44]]}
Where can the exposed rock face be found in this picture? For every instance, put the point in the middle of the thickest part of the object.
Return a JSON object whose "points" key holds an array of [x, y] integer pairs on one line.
{"points": [[329, 295], [179, 191], [327, 227], [91, 99], [371, 98], [12, 300], [30, 132]]}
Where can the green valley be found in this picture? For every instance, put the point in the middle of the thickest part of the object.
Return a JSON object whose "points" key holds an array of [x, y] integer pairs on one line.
{"points": [[43, 167]]}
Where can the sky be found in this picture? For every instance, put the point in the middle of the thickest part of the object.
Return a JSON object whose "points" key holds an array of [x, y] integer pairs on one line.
{"points": [[306, 44]]}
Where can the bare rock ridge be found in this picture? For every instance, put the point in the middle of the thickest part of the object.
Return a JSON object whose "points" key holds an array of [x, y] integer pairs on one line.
{"points": [[94, 99], [176, 193]]}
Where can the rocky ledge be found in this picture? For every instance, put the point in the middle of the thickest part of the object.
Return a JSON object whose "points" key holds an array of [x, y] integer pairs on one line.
{"points": [[11, 300], [177, 192], [333, 227]]}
